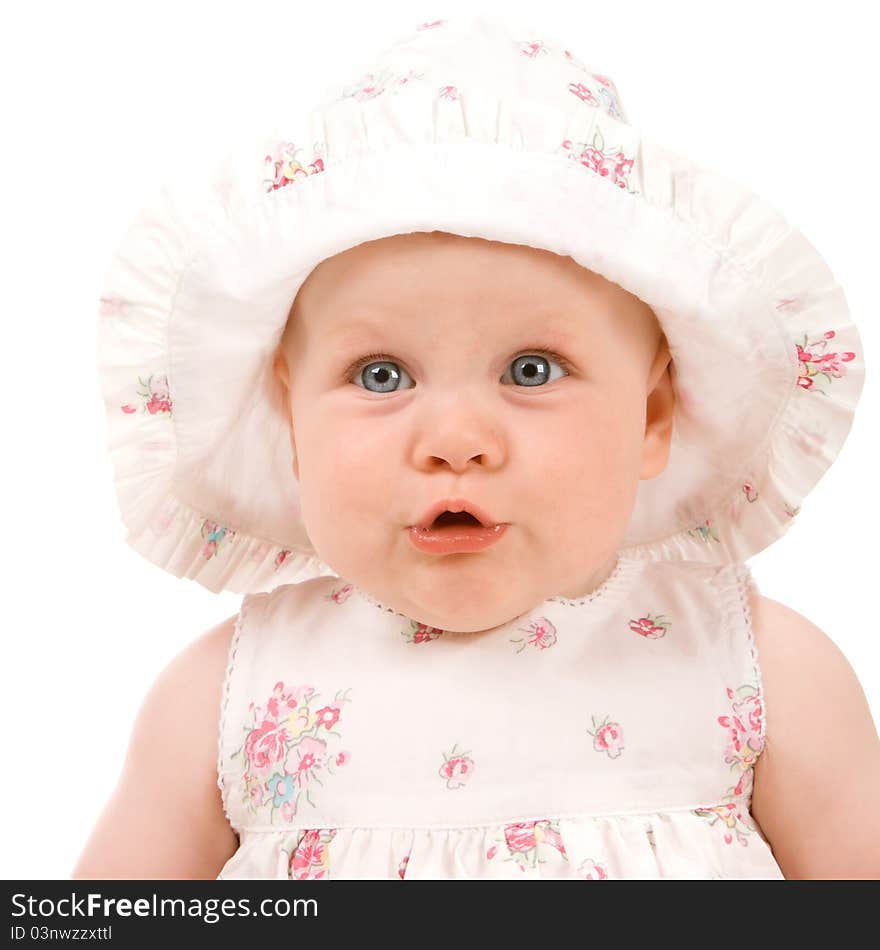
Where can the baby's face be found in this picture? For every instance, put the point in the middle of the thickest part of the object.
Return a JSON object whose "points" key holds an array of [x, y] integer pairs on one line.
{"points": [[446, 410]]}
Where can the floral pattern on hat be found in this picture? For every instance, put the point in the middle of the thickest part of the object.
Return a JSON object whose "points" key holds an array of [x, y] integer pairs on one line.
{"points": [[815, 361], [610, 163], [216, 536], [284, 167], [154, 395]]}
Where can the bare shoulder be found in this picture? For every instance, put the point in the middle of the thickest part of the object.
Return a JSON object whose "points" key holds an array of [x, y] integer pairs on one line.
{"points": [[165, 818], [817, 781]]}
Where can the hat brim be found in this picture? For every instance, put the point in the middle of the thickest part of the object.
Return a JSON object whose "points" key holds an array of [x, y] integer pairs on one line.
{"points": [[200, 289]]}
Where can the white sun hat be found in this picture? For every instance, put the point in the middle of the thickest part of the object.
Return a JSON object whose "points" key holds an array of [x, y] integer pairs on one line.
{"points": [[476, 128]]}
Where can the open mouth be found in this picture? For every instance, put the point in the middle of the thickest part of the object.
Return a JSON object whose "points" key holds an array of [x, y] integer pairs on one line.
{"points": [[455, 532], [455, 518]]}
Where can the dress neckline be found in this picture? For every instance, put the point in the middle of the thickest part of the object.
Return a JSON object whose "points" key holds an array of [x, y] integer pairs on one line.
{"points": [[600, 601]]}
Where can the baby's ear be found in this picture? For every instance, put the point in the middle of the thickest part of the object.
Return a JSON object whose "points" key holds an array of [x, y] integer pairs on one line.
{"points": [[282, 377], [659, 415], [279, 367]]}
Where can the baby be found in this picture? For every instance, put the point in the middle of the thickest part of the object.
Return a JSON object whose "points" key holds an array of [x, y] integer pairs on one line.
{"points": [[494, 653], [485, 428]]}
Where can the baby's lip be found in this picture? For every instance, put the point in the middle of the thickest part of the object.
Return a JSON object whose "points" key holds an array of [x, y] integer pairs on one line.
{"points": [[456, 504]]}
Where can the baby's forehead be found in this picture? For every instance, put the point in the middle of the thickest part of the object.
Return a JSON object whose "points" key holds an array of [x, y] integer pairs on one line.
{"points": [[451, 268], [409, 261], [432, 279]]}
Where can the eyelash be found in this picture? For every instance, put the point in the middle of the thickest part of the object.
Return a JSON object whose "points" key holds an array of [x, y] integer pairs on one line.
{"points": [[363, 361]]}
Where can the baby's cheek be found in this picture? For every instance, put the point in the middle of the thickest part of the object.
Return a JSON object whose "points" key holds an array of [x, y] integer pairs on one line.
{"points": [[347, 495], [597, 471]]}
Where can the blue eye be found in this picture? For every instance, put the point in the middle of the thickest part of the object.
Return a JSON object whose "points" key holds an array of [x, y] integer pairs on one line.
{"points": [[383, 373], [378, 374], [533, 369]]}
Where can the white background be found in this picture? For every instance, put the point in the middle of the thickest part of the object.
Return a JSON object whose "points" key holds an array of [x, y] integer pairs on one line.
{"points": [[102, 99]]}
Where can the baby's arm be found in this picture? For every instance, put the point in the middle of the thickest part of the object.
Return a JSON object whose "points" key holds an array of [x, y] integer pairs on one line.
{"points": [[816, 794], [165, 818]]}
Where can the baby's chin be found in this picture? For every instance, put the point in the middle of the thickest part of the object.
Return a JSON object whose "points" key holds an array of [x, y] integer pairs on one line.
{"points": [[459, 609], [465, 621]]}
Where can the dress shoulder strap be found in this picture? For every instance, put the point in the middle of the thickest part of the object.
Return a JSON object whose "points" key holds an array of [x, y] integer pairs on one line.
{"points": [[275, 636], [236, 686], [738, 664]]}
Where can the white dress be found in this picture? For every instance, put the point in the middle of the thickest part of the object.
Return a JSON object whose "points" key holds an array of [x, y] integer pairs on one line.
{"points": [[611, 737]]}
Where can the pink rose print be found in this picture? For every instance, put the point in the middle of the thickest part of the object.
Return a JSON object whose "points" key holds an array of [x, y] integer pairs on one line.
{"points": [[611, 164], [607, 737], [457, 768], [520, 836], [744, 744], [652, 628], [215, 535], [265, 745], [743, 788], [310, 859], [732, 820], [526, 841], [155, 398], [750, 492], [420, 633], [744, 741], [284, 167], [583, 93], [533, 49], [374, 84], [590, 871], [448, 92], [540, 634], [283, 757], [159, 399], [430, 26], [341, 594], [401, 868], [281, 557], [816, 362], [283, 700]]}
